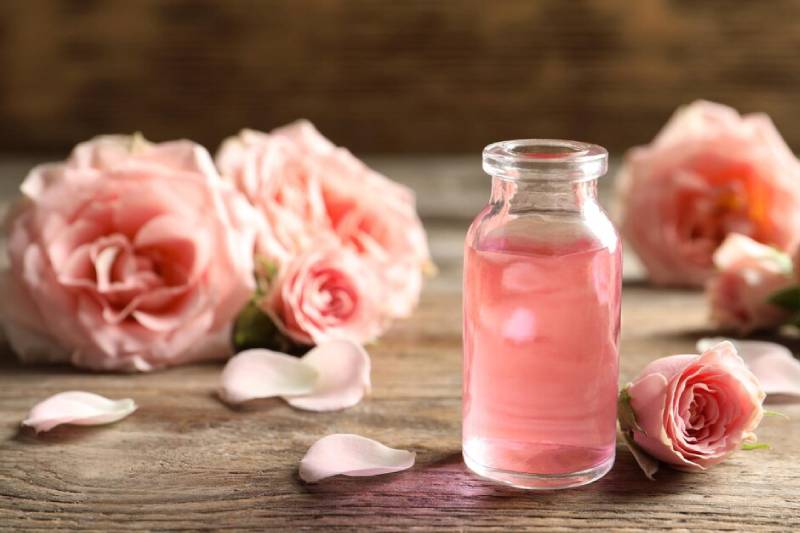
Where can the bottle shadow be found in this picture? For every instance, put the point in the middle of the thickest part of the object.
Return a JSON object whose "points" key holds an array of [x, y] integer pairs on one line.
{"points": [[442, 478]]}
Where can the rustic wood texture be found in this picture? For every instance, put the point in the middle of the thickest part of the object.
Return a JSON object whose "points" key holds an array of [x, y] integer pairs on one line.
{"points": [[186, 461], [388, 76]]}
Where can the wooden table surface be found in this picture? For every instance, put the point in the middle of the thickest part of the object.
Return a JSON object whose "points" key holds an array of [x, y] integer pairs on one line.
{"points": [[186, 461]]}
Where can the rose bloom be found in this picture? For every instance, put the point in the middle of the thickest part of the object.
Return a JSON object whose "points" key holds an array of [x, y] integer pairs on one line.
{"points": [[693, 411], [748, 274], [127, 256], [708, 173], [325, 294], [306, 189]]}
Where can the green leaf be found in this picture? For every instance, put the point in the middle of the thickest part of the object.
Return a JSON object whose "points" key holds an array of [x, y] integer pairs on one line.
{"points": [[767, 412], [794, 319], [625, 413], [755, 446], [787, 298], [255, 329]]}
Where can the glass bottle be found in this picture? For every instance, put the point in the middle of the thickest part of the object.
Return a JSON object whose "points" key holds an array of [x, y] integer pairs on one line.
{"points": [[542, 279]]}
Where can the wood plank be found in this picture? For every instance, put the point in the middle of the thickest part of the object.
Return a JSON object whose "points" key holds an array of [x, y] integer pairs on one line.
{"points": [[186, 461]]}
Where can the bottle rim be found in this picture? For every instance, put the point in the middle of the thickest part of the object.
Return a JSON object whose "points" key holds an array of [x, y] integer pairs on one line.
{"points": [[545, 160]]}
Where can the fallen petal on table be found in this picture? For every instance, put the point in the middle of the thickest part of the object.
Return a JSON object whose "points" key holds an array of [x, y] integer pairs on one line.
{"points": [[344, 377], [351, 455], [262, 373], [79, 408]]}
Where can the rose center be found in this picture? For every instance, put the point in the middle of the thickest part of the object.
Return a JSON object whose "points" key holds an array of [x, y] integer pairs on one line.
{"points": [[728, 198], [336, 296], [702, 415]]}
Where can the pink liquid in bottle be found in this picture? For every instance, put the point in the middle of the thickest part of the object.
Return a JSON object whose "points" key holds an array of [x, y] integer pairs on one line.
{"points": [[541, 328]]}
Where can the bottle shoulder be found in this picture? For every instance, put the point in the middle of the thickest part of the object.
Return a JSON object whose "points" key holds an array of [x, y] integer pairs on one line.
{"points": [[543, 227]]}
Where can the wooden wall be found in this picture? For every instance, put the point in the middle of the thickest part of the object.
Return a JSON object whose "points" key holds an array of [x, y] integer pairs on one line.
{"points": [[388, 76]]}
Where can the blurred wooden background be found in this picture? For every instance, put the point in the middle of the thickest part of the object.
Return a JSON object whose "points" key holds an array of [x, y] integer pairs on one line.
{"points": [[388, 76]]}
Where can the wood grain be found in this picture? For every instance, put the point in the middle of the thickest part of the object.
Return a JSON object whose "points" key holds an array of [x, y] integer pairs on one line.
{"points": [[384, 76], [186, 461]]}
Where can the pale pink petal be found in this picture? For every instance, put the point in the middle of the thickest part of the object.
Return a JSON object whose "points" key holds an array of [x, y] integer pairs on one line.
{"points": [[104, 151], [344, 377], [773, 364], [22, 324], [738, 248], [178, 313], [40, 178], [184, 155], [103, 264], [303, 133], [700, 118], [186, 244], [216, 345], [647, 397], [261, 373], [79, 408], [32, 346], [668, 366], [351, 455]]}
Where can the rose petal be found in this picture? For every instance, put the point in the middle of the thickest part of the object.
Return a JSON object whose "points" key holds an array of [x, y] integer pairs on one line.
{"points": [[79, 408], [344, 376], [103, 151], [738, 248], [351, 455], [22, 324], [261, 373], [773, 364]]}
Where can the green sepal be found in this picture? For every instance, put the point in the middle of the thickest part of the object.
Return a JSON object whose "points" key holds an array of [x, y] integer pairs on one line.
{"points": [[255, 329], [266, 272], [625, 413], [627, 425], [648, 464], [787, 298], [755, 446]]}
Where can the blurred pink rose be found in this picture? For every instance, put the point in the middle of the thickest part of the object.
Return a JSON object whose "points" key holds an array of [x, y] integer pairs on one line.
{"points": [[127, 256], [307, 190], [749, 273], [692, 411], [708, 173], [326, 294]]}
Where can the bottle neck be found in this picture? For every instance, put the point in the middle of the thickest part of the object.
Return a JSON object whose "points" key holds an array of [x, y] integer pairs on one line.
{"points": [[552, 195]]}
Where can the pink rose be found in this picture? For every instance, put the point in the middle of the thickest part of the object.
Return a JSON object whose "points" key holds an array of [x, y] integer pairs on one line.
{"points": [[692, 411], [708, 173], [749, 273], [127, 256], [326, 294], [308, 190]]}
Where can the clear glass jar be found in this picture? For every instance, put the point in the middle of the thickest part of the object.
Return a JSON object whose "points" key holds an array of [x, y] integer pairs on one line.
{"points": [[542, 279]]}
